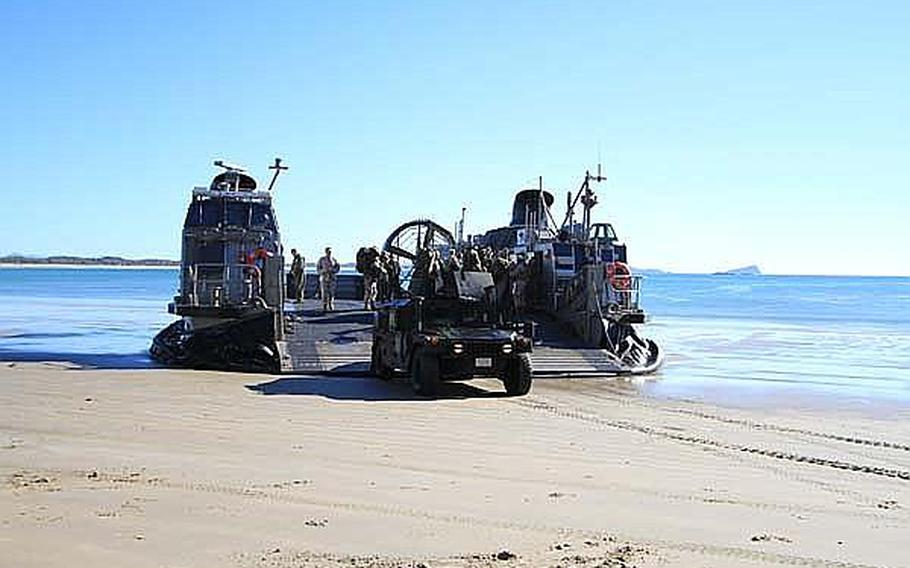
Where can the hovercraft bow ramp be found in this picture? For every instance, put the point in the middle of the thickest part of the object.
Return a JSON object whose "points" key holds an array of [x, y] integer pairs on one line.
{"points": [[330, 343], [338, 344]]}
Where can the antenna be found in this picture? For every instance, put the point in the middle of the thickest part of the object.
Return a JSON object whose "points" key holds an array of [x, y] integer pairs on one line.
{"points": [[228, 167], [588, 199], [278, 169], [540, 204]]}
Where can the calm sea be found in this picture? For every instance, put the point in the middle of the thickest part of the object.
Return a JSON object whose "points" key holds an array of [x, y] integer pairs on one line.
{"points": [[737, 339]]}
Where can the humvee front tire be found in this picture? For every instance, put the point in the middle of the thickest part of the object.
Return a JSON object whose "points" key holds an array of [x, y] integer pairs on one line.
{"points": [[518, 375], [377, 366], [425, 375]]}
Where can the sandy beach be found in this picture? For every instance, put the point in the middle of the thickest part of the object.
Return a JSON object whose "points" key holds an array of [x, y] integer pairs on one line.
{"points": [[165, 468]]}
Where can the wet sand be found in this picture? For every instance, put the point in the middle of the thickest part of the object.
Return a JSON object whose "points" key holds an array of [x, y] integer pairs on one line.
{"points": [[164, 468]]}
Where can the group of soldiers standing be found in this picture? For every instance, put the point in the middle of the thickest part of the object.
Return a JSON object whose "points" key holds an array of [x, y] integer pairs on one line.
{"points": [[327, 269], [511, 275], [381, 274]]}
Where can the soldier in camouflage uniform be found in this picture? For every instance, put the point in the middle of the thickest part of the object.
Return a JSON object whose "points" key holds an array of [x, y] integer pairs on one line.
{"points": [[327, 268], [393, 271], [520, 275], [472, 260], [368, 265], [298, 275], [501, 268]]}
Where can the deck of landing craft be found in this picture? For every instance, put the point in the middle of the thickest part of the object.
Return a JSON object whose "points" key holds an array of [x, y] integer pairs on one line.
{"points": [[336, 343], [339, 342]]}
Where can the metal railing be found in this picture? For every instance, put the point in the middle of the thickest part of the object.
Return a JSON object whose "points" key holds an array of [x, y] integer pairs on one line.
{"points": [[621, 293], [220, 285]]}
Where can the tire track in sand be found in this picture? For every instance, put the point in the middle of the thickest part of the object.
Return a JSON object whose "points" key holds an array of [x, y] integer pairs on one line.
{"points": [[618, 397], [738, 553], [789, 430], [540, 405]]}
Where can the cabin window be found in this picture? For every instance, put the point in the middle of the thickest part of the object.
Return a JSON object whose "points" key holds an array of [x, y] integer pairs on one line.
{"points": [[603, 231], [193, 215], [237, 214], [204, 213], [209, 253], [262, 216]]}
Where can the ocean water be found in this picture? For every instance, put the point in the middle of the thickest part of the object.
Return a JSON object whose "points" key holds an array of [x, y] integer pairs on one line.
{"points": [[736, 339], [99, 317], [782, 340]]}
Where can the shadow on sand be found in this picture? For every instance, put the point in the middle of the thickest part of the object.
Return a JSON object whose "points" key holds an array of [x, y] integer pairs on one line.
{"points": [[105, 361], [365, 388]]}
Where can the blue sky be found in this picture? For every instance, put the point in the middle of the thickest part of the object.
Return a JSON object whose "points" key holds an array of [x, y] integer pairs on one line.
{"points": [[731, 132]]}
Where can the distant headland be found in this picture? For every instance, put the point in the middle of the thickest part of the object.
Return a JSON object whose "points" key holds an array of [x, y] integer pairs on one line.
{"points": [[751, 270], [64, 260]]}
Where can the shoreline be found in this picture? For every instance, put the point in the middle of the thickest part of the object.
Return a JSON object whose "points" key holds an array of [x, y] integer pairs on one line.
{"points": [[9, 266]]}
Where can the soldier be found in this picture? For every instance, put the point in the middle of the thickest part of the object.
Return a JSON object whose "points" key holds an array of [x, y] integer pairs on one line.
{"points": [[520, 275], [486, 259], [456, 262], [435, 272], [298, 275], [426, 271], [449, 271], [328, 268], [385, 293], [393, 270], [371, 269], [472, 260], [501, 270]]}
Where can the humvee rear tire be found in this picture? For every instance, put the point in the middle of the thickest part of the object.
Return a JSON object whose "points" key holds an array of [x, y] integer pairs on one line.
{"points": [[425, 375], [377, 366], [518, 376]]}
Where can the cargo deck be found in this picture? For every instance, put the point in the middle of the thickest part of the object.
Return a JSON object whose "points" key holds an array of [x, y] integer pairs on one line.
{"points": [[339, 343]]}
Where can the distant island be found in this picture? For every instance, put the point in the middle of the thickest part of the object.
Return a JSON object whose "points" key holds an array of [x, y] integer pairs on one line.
{"points": [[62, 260], [751, 270]]}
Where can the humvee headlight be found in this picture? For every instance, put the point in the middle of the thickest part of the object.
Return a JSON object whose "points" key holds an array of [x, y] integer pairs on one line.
{"points": [[432, 339], [507, 348], [458, 348]]}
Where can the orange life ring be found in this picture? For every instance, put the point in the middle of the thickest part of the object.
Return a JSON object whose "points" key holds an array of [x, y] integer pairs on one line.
{"points": [[620, 275], [259, 253]]}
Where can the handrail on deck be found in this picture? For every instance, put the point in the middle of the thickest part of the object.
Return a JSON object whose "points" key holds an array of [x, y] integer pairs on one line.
{"points": [[218, 290], [625, 294]]}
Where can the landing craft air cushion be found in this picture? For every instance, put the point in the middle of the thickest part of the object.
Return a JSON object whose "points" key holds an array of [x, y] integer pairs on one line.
{"points": [[583, 299], [582, 291], [231, 293]]}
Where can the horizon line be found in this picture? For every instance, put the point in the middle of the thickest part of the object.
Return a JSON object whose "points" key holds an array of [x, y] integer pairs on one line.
{"points": [[149, 262]]}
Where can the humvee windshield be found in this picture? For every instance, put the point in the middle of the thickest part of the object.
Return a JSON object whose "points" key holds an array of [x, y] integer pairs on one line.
{"points": [[456, 312]]}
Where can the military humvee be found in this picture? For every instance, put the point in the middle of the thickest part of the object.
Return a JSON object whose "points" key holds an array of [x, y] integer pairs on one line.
{"points": [[445, 338]]}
